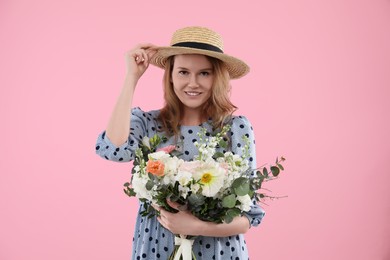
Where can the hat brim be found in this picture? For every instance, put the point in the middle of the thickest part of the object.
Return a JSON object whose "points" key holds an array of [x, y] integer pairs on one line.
{"points": [[236, 67]]}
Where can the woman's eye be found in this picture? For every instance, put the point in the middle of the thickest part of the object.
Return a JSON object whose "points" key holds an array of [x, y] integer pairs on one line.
{"points": [[183, 72], [205, 73]]}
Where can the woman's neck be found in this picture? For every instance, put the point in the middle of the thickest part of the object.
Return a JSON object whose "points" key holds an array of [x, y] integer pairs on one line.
{"points": [[192, 118]]}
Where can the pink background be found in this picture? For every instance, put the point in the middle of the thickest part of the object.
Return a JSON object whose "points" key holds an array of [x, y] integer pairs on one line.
{"points": [[318, 93]]}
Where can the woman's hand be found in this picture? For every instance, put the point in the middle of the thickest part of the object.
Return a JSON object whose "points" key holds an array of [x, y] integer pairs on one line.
{"points": [[138, 58], [182, 222]]}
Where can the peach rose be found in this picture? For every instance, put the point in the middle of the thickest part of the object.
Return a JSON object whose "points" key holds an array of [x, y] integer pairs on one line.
{"points": [[155, 167]]}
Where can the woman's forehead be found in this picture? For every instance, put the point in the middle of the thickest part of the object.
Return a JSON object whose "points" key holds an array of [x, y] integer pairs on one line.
{"points": [[192, 61]]}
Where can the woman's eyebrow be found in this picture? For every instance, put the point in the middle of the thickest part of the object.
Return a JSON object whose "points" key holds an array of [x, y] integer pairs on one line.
{"points": [[183, 68]]}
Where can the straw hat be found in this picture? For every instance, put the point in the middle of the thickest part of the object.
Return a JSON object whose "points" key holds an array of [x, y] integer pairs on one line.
{"points": [[199, 40]]}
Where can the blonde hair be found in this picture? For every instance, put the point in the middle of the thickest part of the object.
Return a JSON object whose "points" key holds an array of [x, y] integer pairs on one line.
{"points": [[218, 107]]}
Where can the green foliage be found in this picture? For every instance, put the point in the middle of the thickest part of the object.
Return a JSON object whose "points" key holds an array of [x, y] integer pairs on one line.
{"points": [[128, 190], [263, 174], [196, 200], [231, 214], [218, 155], [241, 186], [229, 201], [223, 144]]}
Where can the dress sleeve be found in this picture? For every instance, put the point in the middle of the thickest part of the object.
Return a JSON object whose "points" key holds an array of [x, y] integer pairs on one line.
{"points": [[125, 152], [242, 127]]}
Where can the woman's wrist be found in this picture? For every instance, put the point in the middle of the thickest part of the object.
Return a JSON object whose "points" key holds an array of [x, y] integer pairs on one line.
{"points": [[204, 228], [239, 225], [131, 79]]}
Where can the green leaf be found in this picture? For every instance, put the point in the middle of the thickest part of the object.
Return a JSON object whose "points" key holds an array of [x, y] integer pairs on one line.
{"points": [[196, 199], [223, 144], [261, 177], [259, 184], [218, 155], [265, 172], [149, 185], [227, 219], [151, 176], [275, 171], [229, 201], [237, 182], [280, 166], [242, 190], [174, 197], [129, 192], [127, 184], [231, 214], [241, 186]]}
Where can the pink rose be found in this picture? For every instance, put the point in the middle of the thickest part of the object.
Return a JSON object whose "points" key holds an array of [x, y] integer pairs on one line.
{"points": [[167, 149]]}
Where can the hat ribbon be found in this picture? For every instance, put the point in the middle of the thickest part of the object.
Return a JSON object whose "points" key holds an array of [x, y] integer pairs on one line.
{"points": [[198, 45]]}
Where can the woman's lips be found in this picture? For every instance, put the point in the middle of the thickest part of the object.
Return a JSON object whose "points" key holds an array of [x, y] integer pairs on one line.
{"points": [[193, 93]]}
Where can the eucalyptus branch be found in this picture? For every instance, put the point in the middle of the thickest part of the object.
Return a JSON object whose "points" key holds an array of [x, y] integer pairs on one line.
{"points": [[274, 197]]}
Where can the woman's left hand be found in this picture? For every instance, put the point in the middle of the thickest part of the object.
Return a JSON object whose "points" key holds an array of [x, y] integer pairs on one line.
{"points": [[182, 222]]}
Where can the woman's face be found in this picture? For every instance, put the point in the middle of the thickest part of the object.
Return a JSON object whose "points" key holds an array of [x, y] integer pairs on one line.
{"points": [[192, 79]]}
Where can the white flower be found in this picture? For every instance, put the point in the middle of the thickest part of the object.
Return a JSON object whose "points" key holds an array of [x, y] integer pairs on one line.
{"points": [[146, 141], [139, 186], [211, 178], [184, 191], [137, 168], [183, 177], [161, 155], [171, 165], [195, 187], [167, 179], [245, 202]]}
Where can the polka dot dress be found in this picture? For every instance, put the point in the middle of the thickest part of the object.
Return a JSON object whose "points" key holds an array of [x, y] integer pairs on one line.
{"points": [[153, 241]]}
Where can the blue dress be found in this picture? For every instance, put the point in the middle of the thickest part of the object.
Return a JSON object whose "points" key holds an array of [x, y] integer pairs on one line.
{"points": [[153, 241]]}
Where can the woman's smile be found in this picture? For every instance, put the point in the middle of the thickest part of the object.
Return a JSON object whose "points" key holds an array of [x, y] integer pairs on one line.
{"points": [[193, 93]]}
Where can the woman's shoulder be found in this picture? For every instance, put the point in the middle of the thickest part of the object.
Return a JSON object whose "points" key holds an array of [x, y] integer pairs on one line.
{"points": [[147, 115], [240, 122]]}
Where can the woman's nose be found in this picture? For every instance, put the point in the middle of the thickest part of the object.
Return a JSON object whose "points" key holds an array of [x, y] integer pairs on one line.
{"points": [[193, 82]]}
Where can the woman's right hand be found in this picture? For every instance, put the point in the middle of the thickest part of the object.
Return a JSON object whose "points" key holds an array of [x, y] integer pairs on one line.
{"points": [[138, 58]]}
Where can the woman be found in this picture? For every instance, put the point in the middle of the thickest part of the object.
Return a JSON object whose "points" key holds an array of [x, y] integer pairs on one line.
{"points": [[196, 93]]}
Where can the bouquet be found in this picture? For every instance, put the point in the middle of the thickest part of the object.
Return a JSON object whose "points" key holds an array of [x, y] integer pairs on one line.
{"points": [[214, 186]]}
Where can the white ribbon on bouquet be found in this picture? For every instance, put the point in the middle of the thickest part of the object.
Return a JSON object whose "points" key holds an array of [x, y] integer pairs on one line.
{"points": [[185, 247]]}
